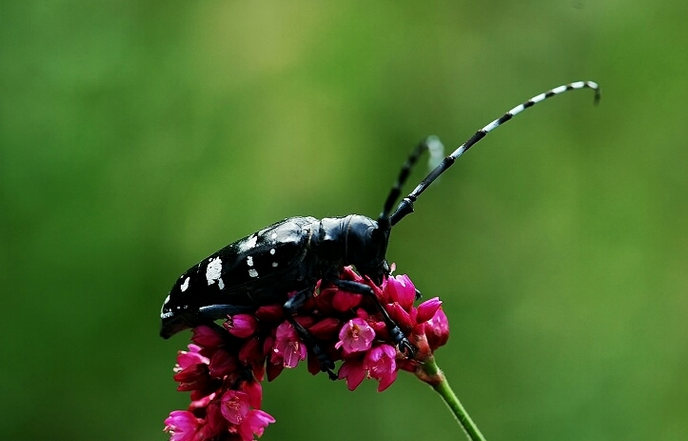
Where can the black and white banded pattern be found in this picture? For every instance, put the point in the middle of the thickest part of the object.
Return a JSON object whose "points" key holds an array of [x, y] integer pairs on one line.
{"points": [[436, 149], [406, 205]]}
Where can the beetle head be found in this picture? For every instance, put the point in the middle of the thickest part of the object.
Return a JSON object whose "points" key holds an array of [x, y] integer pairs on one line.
{"points": [[175, 315]]}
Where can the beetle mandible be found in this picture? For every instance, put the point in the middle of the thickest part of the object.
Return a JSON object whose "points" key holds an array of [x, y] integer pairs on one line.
{"points": [[293, 254]]}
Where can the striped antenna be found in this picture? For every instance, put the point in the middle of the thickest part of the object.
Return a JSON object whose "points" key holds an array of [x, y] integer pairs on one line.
{"points": [[436, 150], [406, 205]]}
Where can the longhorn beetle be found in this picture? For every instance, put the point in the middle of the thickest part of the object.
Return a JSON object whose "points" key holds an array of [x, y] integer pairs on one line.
{"points": [[293, 254]]}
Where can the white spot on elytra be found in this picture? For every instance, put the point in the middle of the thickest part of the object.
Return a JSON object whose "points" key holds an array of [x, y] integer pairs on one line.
{"points": [[253, 273], [274, 264], [185, 285], [251, 242], [221, 284], [249, 260], [272, 251], [164, 314], [214, 270]]}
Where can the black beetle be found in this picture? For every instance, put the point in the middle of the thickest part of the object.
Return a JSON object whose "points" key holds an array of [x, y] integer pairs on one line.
{"points": [[293, 254]]}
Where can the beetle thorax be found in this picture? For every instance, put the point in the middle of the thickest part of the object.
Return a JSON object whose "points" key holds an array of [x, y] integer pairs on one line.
{"points": [[359, 241]]}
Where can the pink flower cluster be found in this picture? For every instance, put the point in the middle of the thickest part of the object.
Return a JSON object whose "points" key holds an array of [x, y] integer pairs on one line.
{"points": [[224, 406], [224, 368]]}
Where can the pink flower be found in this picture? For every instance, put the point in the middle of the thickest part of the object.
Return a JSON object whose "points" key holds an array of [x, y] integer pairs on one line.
{"points": [[223, 363], [270, 313], [254, 424], [400, 289], [190, 358], [182, 425], [355, 336], [243, 420], [215, 421], [325, 329], [206, 337], [399, 315], [428, 308], [343, 301], [194, 377], [234, 406], [437, 329], [251, 352], [241, 325], [288, 349], [254, 391], [353, 371], [381, 365]]}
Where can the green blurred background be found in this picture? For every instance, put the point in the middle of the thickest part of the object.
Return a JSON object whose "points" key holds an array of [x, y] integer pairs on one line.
{"points": [[138, 137]]}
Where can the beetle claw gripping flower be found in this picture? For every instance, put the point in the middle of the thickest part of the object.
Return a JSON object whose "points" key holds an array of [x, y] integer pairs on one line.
{"points": [[224, 367]]}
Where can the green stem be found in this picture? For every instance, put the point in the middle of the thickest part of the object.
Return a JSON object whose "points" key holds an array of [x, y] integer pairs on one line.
{"points": [[438, 382]]}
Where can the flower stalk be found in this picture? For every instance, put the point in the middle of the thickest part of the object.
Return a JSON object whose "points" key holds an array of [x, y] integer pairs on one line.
{"points": [[431, 373]]}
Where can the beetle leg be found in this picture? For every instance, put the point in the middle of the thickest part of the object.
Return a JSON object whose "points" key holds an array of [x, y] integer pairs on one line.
{"points": [[395, 332], [290, 308]]}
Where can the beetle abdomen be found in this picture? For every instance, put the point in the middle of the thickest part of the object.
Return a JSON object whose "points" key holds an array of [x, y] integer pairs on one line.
{"points": [[256, 270]]}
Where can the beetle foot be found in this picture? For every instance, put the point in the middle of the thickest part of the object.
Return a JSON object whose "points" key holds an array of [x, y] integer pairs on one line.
{"points": [[407, 348], [403, 343], [327, 367]]}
